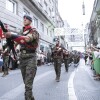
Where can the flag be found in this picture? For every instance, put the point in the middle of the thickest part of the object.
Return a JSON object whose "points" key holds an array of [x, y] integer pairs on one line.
{"points": [[0, 32], [18, 38]]}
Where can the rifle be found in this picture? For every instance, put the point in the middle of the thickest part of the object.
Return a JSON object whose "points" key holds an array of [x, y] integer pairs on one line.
{"points": [[10, 43]]}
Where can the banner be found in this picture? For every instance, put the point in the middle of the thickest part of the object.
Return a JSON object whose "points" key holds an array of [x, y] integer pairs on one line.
{"points": [[59, 31]]}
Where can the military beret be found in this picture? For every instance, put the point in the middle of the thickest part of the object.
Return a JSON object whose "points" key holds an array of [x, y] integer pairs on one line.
{"points": [[28, 17]]}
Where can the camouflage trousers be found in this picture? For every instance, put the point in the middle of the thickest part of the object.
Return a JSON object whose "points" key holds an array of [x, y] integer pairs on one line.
{"points": [[28, 66], [66, 64], [57, 67], [5, 64]]}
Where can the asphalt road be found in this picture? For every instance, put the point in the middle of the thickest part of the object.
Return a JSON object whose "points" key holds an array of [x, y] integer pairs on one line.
{"points": [[77, 84]]}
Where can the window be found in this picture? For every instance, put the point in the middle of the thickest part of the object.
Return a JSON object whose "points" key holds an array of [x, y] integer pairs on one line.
{"points": [[40, 1], [42, 48], [42, 27], [45, 6], [26, 12], [35, 22], [49, 12], [46, 30], [11, 5], [52, 9], [50, 33], [72, 38], [50, 1], [53, 33]]}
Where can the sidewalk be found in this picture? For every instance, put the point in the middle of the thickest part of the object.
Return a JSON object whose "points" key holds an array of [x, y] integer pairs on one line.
{"points": [[86, 88]]}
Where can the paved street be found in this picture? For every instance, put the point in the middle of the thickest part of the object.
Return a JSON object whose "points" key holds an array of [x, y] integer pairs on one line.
{"points": [[77, 84]]}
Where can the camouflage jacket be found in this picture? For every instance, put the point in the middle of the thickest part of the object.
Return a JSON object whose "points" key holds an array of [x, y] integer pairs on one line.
{"points": [[57, 52], [34, 38], [65, 56]]}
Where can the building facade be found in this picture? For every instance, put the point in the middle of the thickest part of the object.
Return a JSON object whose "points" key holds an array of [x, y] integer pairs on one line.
{"points": [[44, 13], [94, 26]]}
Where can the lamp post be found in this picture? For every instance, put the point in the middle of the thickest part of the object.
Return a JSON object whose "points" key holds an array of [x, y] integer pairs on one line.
{"points": [[83, 8]]}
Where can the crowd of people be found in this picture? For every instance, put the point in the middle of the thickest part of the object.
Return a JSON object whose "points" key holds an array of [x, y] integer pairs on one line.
{"points": [[92, 58], [9, 62]]}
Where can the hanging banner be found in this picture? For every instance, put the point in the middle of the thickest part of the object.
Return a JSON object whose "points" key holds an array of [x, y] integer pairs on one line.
{"points": [[59, 31]]}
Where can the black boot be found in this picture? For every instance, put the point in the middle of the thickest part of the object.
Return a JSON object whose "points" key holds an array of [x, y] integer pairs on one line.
{"points": [[32, 98], [66, 70], [57, 79]]}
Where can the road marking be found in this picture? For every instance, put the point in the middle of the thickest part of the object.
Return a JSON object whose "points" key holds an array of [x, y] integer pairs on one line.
{"points": [[11, 95], [77, 69], [71, 91]]}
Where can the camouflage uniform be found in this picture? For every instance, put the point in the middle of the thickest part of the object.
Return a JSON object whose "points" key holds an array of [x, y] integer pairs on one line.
{"points": [[28, 63], [65, 57], [6, 61], [85, 58], [57, 58]]}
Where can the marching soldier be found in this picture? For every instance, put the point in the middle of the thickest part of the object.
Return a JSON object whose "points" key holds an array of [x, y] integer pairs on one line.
{"points": [[5, 56], [28, 41], [76, 58], [57, 58], [65, 58]]}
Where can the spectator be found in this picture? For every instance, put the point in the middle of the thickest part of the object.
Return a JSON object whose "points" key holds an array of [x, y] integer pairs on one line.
{"points": [[38, 59], [48, 58], [96, 62], [85, 58]]}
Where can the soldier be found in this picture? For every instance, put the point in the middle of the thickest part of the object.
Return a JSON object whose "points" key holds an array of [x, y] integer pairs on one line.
{"points": [[57, 58], [66, 57], [28, 41], [5, 56], [76, 59]]}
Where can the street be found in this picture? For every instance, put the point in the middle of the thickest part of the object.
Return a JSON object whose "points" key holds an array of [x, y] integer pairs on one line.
{"points": [[36, 33], [77, 84]]}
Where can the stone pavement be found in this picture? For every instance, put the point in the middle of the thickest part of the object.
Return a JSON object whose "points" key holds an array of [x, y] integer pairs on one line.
{"points": [[86, 88]]}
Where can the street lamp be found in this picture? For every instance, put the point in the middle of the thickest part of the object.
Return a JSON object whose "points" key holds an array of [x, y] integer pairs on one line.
{"points": [[83, 7]]}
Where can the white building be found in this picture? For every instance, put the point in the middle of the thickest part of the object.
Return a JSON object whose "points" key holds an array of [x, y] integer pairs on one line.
{"points": [[94, 26], [44, 13]]}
